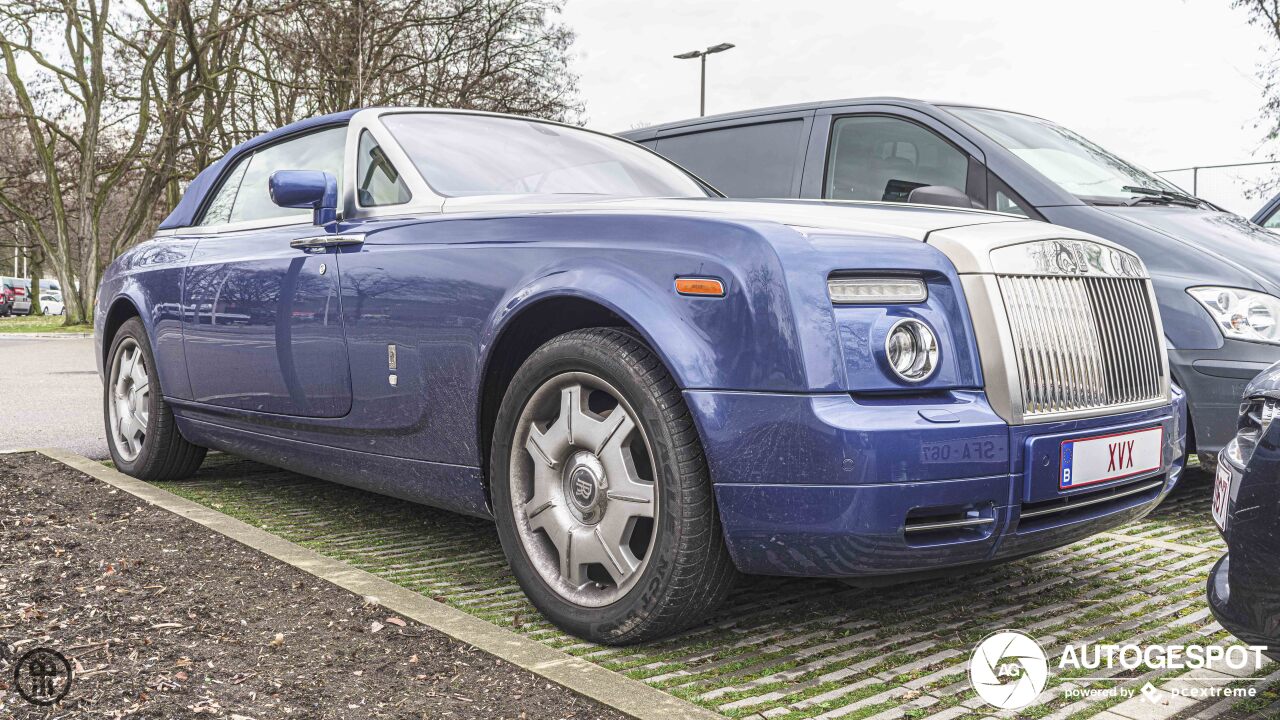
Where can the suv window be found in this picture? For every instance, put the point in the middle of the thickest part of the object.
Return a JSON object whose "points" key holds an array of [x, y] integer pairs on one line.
{"points": [[244, 195], [379, 183], [873, 157], [747, 161]]}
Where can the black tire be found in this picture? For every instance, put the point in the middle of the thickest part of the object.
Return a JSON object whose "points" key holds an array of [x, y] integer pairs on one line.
{"points": [[688, 570], [163, 454]]}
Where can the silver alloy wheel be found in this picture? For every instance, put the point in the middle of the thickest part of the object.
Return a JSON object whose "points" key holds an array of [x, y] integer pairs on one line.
{"points": [[130, 406], [583, 489]]}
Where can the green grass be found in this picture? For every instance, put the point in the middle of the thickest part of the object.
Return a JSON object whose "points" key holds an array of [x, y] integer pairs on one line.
{"points": [[40, 324]]}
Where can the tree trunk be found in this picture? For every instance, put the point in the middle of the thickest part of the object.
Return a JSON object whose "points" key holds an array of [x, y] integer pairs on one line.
{"points": [[36, 258]]}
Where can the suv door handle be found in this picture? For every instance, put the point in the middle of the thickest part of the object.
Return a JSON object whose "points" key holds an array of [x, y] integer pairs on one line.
{"points": [[320, 242]]}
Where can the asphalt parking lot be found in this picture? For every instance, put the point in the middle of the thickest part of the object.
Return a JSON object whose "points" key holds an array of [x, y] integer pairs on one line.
{"points": [[778, 648], [50, 395]]}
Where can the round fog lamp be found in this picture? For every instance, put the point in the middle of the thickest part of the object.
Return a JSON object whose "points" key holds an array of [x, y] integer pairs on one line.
{"points": [[912, 350]]}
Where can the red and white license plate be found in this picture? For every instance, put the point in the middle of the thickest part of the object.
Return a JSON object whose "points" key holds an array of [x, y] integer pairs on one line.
{"points": [[1221, 496], [1110, 457]]}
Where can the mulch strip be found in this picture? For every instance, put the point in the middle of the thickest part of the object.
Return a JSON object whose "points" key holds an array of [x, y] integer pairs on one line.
{"points": [[162, 618]]}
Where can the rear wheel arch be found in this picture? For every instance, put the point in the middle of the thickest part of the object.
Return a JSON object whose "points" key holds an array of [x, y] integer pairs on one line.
{"points": [[120, 311]]}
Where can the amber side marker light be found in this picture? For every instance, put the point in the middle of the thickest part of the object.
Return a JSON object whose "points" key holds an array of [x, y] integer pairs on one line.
{"points": [[706, 287]]}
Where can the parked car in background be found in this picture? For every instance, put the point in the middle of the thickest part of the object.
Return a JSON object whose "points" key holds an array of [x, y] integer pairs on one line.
{"points": [[649, 387], [1269, 215], [51, 304], [1217, 276], [20, 297], [1243, 584], [7, 296], [21, 301]]}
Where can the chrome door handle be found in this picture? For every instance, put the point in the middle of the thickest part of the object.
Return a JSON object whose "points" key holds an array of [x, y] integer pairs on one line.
{"points": [[320, 242]]}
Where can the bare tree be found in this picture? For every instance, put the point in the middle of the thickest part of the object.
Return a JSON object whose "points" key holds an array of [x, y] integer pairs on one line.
{"points": [[103, 94], [320, 56], [1266, 15], [111, 106]]}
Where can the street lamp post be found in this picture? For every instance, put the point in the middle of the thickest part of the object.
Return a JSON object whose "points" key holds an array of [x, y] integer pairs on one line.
{"points": [[702, 54]]}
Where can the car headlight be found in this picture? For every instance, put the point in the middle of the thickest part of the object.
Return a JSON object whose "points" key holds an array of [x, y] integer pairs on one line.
{"points": [[1256, 416], [1242, 314], [912, 350]]}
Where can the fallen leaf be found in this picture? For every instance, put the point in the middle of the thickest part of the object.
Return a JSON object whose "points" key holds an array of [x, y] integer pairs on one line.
{"points": [[396, 621], [278, 640], [375, 627]]}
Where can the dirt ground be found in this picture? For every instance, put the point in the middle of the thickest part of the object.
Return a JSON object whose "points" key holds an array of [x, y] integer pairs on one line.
{"points": [[162, 618]]}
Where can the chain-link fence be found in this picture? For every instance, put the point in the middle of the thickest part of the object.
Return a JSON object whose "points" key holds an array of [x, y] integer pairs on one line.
{"points": [[1230, 186]]}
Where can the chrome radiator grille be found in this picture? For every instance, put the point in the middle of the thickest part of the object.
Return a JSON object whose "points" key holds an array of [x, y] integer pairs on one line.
{"points": [[1083, 342]]}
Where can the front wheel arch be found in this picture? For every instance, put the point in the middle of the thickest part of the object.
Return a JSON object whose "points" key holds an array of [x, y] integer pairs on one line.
{"points": [[522, 334]]}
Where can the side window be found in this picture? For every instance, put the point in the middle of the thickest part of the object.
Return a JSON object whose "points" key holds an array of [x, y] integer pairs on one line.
{"points": [[379, 183], [219, 210], [1006, 204], [1004, 199], [873, 157], [745, 161], [251, 200], [1273, 221]]}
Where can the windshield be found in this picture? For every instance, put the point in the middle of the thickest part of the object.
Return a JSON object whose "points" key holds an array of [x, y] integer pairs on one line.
{"points": [[460, 154], [1072, 162]]}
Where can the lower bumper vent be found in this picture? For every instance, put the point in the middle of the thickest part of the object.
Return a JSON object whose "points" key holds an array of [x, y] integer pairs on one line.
{"points": [[930, 526], [1085, 505]]}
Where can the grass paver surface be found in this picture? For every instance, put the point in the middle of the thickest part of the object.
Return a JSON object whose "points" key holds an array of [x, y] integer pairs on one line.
{"points": [[801, 648]]}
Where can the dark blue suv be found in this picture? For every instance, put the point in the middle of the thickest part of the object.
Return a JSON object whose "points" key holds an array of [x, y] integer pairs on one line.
{"points": [[1217, 275]]}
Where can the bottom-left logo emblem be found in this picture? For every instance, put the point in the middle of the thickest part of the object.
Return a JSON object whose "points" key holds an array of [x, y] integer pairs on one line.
{"points": [[42, 676]]}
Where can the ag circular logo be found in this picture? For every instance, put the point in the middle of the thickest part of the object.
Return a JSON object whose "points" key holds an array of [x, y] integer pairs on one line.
{"points": [[42, 676], [1008, 670]]}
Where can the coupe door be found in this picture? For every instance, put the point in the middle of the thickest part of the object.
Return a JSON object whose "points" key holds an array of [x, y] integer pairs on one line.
{"points": [[262, 322]]}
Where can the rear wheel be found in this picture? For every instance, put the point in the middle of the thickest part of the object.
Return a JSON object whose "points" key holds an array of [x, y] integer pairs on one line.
{"points": [[601, 492], [141, 432]]}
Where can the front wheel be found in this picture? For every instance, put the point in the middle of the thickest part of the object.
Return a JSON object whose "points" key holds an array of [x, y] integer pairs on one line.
{"points": [[602, 496], [141, 432]]}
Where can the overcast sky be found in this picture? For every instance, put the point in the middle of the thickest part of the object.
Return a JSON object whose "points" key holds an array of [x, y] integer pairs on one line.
{"points": [[1164, 83]]}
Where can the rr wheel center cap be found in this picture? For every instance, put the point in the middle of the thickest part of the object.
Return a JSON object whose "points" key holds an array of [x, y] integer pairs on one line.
{"points": [[586, 486]]}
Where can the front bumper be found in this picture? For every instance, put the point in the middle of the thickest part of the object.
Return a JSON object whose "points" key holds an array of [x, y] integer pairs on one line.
{"points": [[832, 485], [1244, 586], [1214, 380]]}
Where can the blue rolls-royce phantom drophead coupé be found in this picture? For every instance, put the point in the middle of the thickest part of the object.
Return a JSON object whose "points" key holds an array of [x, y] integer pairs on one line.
{"points": [[648, 387]]}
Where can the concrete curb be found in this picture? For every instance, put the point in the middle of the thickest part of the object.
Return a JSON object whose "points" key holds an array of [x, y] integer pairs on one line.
{"points": [[621, 693]]}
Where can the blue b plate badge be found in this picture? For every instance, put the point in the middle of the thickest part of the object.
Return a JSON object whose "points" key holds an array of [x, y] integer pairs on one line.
{"points": [[1087, 461]]}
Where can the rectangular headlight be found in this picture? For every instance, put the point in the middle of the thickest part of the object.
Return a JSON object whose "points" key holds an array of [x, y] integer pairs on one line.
{"points": [[875, 291]]}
